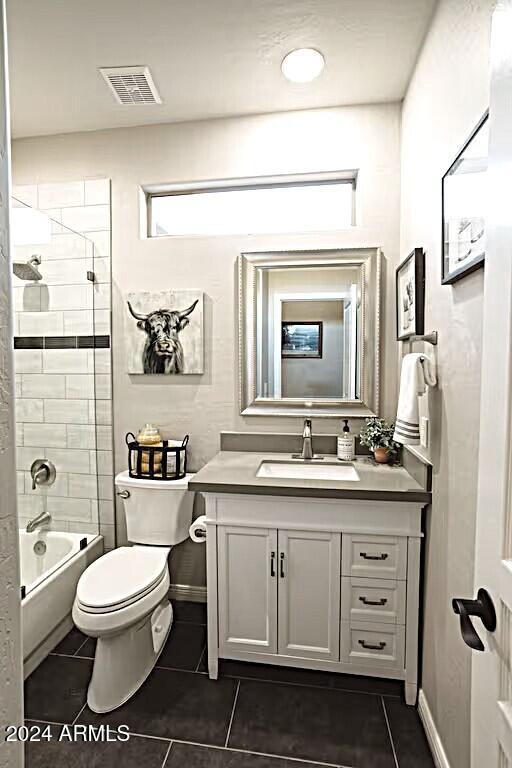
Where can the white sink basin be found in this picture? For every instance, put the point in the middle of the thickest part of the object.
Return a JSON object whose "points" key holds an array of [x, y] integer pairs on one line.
{"points": [[304, 471]]}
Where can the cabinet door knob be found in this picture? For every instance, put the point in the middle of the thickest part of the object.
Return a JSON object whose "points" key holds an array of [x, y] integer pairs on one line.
{"points": [[365, 601], [383, 556], [370, 647], [281, 564], [272, 564]]}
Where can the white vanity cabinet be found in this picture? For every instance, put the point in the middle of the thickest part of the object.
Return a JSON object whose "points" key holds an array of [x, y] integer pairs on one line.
{"points": [[330, 584], [278, 592]]}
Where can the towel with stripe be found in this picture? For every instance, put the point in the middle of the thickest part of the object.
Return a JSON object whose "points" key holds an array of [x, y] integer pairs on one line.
{"points": [[417, 373]]}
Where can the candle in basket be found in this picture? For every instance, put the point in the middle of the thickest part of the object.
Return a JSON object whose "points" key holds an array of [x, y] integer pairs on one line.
{"points": [[150, 435]]}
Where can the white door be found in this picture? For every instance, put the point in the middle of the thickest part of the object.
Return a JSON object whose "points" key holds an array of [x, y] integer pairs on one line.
{"points": [[309, 594], [491, 695], [247, 585]]}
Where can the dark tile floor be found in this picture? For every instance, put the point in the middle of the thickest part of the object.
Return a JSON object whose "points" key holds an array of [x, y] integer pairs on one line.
{"points": [[254, 716]]}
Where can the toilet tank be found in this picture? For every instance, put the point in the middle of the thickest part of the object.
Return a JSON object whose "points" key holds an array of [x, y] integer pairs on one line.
{"points": [[157, 511]]}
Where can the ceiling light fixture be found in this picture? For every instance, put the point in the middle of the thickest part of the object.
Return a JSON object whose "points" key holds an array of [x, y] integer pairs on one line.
{"points": [[302, 65]]}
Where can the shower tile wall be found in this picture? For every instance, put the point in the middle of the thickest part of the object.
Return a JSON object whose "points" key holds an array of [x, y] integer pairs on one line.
{"points": [[63, 395]]}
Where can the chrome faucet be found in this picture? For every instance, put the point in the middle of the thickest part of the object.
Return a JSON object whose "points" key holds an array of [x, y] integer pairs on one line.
{"points": [[42, 519], [307, 440]]}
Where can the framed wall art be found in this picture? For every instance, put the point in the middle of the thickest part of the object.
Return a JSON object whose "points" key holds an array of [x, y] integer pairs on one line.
{"points": [[164, 332], [410, 295], [301, 339], [464, 195]]}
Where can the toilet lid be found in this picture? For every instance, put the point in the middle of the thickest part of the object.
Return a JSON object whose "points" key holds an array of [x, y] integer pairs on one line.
{"points": [[120, 577]]}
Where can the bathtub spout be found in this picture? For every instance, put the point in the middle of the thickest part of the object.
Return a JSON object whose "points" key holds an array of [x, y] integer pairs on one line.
{"points": [[43, 519]]}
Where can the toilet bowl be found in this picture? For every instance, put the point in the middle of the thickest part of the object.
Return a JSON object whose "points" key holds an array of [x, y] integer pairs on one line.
{"points": [[122, 598]]}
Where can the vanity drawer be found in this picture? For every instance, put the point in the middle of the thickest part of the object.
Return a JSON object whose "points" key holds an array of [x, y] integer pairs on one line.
{"points": [[376, 557], [372, 645], [381, 600]]}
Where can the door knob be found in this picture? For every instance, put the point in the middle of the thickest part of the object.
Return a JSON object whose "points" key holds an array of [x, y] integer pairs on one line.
{"points": [[482, 607]]}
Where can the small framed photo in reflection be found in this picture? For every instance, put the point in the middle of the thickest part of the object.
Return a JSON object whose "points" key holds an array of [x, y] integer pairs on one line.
{"points": [[301, 339], [410, 295]]}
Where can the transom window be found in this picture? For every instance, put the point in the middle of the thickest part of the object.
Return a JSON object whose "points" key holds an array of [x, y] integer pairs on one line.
{"points": [[307, 203]]}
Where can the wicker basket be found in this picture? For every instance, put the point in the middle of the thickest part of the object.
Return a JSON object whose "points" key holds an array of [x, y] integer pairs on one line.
{"points": [[167, 461]]}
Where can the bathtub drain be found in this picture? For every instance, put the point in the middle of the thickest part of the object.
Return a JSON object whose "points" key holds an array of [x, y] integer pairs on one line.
{"points": [[39, 548]]}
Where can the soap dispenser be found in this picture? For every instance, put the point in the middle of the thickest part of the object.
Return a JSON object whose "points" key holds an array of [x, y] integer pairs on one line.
{"points": [[345, 444]]}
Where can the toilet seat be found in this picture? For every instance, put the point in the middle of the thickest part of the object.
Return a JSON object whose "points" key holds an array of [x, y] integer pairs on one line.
{"points": [[121, 577]]}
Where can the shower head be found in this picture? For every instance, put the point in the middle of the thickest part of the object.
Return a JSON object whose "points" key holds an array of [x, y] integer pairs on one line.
{"points": [[28, 270]]}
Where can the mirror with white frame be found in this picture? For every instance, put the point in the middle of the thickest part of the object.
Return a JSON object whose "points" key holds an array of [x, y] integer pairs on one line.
{"points": [[309, 332]]}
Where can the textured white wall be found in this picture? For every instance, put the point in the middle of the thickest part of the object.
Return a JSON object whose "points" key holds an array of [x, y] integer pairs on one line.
{"points": [[365, 137], [448, 94], [11, 755]]}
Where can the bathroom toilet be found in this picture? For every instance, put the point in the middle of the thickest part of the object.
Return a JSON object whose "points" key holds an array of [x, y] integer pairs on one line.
{"points": [[122, 598]]}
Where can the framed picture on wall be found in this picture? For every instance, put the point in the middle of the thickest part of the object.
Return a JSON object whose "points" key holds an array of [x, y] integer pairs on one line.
{"points": [[164, 332], [410, 295], [301, 339], [464, 195]]}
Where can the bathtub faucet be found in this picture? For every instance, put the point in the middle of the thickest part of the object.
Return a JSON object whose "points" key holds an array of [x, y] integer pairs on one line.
{"points": [[42, 519]]}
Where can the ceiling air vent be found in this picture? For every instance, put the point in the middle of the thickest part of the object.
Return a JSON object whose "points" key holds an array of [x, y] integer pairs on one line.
{"points": [[131, 85]]}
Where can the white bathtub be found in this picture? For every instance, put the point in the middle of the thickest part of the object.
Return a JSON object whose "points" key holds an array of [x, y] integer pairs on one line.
{"points": [[49, 574]]}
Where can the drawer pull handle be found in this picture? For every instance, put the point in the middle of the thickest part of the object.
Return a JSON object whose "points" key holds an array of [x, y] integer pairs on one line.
{"points": [[370, 647], [281, 564], [383, 556], [365, 601], [272, 564]]}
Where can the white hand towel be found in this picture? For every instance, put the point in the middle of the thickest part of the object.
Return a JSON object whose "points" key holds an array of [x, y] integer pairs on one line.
{"points": [[417, 373]]}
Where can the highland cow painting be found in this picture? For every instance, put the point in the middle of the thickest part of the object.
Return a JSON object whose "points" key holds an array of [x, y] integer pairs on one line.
{"points": [[164, 332]]}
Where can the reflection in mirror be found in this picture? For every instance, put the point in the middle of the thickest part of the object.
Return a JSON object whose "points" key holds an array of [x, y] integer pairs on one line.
{"points": [[308, 325], [309, 332]]}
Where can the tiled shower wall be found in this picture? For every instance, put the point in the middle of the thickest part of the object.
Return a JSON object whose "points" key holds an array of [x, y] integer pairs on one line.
{"points": [[63, 382]]}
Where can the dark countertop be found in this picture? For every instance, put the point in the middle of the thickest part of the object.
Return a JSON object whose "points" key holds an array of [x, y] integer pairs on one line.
{"points": [[235, 472]]}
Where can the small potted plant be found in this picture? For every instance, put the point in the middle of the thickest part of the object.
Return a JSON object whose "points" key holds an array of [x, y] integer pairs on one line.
{"points": [[377, 435]]}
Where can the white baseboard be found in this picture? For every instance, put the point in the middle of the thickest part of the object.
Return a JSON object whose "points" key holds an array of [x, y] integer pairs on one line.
{"points": [[434, 740], [188, 592]]}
